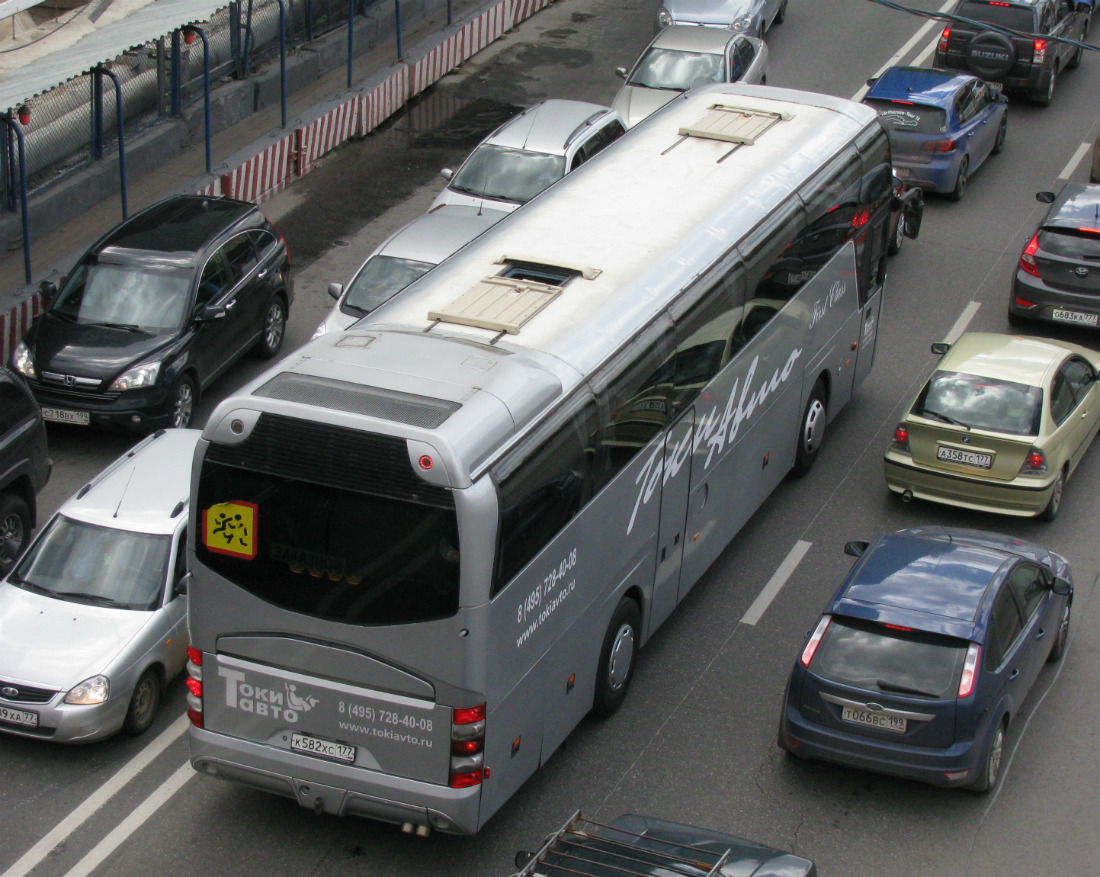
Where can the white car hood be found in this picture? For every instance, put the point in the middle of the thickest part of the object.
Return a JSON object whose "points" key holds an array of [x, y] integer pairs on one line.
{"points": [[52, 643], [635, 102]]}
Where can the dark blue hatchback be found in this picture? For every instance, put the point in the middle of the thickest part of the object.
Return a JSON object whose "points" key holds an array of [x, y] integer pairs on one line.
{"points": [[925, 654], [942, 124]]}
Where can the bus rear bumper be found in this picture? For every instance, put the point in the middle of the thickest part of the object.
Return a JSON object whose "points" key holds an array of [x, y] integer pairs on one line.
{"points": [[334, 788]]}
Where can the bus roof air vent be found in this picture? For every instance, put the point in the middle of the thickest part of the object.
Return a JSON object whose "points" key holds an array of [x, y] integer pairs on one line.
{"points": [[501, 304], [730, 124]]}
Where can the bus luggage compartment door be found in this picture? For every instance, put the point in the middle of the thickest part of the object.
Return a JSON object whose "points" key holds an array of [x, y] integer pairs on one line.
{"points": [[676, 483]]}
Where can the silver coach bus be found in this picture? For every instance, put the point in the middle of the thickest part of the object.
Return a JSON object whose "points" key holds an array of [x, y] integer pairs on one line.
{"points": [[428, 546]]}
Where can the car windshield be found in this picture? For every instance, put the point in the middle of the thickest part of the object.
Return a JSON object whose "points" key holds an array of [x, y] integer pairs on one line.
{"points": [[999, 14], [99, 565], [507, 174], [981, 403], [909, 117], [130, 295], [1071, 243], [380, 279], [889, 659], [675, 70]]}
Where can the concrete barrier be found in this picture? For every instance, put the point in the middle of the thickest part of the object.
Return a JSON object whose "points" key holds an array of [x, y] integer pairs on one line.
{"points": [[15, 323]]}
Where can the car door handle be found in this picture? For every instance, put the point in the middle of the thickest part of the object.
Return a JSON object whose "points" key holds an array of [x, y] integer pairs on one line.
{"points": [[262, 274], [1013, 675], [1042, 632], [229, 305]]}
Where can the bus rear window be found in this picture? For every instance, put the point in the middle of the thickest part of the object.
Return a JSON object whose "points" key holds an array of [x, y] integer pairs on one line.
{"points": [[329, 553]]}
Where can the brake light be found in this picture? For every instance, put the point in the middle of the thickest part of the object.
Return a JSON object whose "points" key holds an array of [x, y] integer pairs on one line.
{"points": [[1027, 257], [938, 145], [1035, 463], [1088, 230], [998, 3], [194, 686], [468, 747], [861, 218], [970, 670], [897, 627], [901, 438], [944, 37], [1039, 51], [815, 639]]}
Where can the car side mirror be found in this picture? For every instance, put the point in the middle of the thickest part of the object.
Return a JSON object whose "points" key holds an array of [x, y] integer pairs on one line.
{"points": [[182, 585], [872, 81], [1044, 197], [335, 290], [446, 173], [1061, 587], [209, 313], [47, 289], [940, 347], [620, 72], [855, 548]]}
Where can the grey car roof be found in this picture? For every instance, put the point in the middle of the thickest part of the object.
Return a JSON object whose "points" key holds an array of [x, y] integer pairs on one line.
{"points": [[546, 127], [435, 236], [145, 490]]}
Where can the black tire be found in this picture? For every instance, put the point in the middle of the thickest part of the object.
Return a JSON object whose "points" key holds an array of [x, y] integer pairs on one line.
{"points": [[1044, 98], [1055, 504], [616, 667], [144, 703], [811, 431], [273, 330], [1002, 133], [182, 402], [1061, 638], [897, 235], [15, 530], [961, 180], [1075, 62], [991, 767]]}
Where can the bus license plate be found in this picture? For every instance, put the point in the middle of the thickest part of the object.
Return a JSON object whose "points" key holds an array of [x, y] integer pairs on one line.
{"points": [[19, 717], [60, 415], [323, 748], [1064, 316], [966, 458], [874, 720]]}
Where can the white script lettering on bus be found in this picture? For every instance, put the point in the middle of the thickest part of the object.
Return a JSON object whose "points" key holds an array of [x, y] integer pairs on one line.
{"points": [[716, 431], [821, 308]]}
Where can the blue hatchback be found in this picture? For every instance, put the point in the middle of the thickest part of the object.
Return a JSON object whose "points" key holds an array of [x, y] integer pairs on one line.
{"points": [[925, 654], [942, 124]]}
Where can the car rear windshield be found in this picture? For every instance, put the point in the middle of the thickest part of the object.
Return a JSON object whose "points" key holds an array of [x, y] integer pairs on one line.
{"points": [[999, 14], [676, 70], [326, 552], [896, 660], [981, 403], [1071, 243], [507, 174], [380, 279], [909, 117]]}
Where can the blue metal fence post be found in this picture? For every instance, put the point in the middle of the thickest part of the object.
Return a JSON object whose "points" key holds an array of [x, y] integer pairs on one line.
{"points": [[397, 23], [282, 59], [309, 19], [247, 40], [351, 36], [235, 36], [177, 75], [14, 126], [97, 116], [450, 13], [103, 71], [205, 87]]}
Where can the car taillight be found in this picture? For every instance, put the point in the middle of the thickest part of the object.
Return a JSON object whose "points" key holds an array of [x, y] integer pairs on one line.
{"points": [[1035, 463], [901, 438], [944, 37], [815, 639], [1023, 303], [970, 670], [1039, 51], [194, 686], [861, 218], [1027, 257], [286, 246], [467, 747], [938, 145]]}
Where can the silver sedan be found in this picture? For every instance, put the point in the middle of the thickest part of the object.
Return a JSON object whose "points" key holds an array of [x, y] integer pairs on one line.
{"points": [[752, 17]]}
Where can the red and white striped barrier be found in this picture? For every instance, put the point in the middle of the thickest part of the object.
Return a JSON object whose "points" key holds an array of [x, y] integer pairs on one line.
{"points": [[212, 189], [262, 175], [524, 9], [436, 64], [323, 135], [15, 323], [383, 100], [487, 27]]}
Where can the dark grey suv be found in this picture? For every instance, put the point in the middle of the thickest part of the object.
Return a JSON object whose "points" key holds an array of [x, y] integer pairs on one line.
{"points": [[24, 466], [1028, 63]]}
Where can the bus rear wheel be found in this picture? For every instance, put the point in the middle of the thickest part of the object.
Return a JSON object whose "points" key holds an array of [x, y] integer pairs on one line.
{"points": [[616, 667], [811, 431]]}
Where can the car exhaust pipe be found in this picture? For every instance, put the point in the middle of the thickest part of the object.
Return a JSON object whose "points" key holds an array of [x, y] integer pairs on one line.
{"points": [[906, 495]]}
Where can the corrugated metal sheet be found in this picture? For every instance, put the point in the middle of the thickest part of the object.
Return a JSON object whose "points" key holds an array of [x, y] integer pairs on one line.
{"points": [[106, 43]]}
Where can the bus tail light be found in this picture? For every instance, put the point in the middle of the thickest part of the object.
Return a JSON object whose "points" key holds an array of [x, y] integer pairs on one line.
{"points": [[194, 686], [1027, 257], [467, 747], [1035, 463], [1039, 52], [970, 670], [815, 639], [944, 37], [901, 438]]}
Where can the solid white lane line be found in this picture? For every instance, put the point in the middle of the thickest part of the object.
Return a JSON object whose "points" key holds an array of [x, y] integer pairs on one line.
{"points": [[962, 322], [133, 822], [776, 582], [1071, 166], [904, 50], [97, 799]]}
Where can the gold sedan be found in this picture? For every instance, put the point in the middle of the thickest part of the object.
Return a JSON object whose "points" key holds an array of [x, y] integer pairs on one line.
{"points": [[1000, 426]]}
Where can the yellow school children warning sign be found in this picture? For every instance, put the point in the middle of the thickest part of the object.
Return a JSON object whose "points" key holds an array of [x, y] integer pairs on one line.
{"points": [[230, 528]]}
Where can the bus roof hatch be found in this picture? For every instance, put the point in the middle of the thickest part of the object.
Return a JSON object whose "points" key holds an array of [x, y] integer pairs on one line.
{"points": [[501, 304], [733, 124]]}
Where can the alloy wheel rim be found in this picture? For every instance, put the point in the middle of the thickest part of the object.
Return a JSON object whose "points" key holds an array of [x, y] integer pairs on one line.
{"points": [[622, 655], [995, 752], [181, 412], [11, 537], [274, 330], [815, 425]]}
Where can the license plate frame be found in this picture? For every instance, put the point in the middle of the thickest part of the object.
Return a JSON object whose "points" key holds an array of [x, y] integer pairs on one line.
{"points": [[996, 86], [869, 719], [1075, 318], [65, 415], [330, 750], [22, 718], [973, 459]]}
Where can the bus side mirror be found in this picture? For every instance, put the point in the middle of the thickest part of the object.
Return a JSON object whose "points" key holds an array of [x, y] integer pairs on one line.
{"points": [[181, 586], [940, 347]]}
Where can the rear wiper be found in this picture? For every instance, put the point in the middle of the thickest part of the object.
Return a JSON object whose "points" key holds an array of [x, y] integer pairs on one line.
{"points": [[91, 598], [945, 418], [886, 685]]}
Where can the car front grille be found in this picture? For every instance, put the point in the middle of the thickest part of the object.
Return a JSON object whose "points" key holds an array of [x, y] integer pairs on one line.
{"points": [[25, 693], [48, 391]]}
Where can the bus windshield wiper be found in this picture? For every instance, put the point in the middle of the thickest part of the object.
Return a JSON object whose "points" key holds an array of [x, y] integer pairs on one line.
{"points": [[945, 418], [887, 685]]}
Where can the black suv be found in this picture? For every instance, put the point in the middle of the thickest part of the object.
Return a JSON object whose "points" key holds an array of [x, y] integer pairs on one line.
{"points": [[156, 310], [1024, 63], [24, 466]]}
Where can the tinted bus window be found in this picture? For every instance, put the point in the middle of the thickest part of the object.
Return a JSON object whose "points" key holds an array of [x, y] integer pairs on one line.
{"points": [[773, 262]]}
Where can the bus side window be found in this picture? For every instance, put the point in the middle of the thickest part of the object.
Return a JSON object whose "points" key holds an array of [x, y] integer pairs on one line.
{"points": [[542, 484], [774, 266], [832, 201], [874, 148]]}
